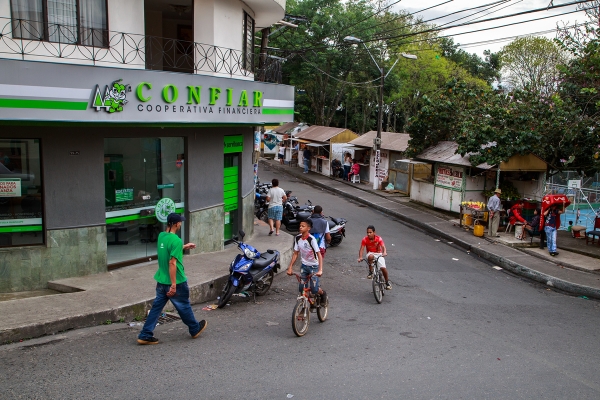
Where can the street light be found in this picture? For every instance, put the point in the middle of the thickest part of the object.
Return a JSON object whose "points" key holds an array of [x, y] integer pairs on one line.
{"points": [[377, 140]]}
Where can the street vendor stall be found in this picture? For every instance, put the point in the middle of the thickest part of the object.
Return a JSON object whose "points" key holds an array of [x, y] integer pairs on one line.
{"points": [[322, 142], [393, 146], [454, 180]]}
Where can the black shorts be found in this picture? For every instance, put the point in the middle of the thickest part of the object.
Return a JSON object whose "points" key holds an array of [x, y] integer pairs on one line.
{"points": [[280, 156]]}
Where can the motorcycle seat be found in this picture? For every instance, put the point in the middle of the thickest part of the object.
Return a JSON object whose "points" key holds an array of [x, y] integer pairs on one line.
{"points": [[264, 260]]}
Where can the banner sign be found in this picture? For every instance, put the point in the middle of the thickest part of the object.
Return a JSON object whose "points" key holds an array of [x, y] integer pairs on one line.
{"points": [[10, 187], [448, 176], [77, 93]]}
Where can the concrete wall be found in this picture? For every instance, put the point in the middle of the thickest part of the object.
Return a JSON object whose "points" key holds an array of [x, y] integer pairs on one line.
{"points": [[67, 253]]}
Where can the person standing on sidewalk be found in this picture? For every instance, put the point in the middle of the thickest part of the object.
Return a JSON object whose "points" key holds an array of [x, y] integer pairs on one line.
{"points": [[347, 165], [306, 155], [320, 229], [281, 153], [275, 197], [171, 283], [552, 223], [494, 206]]}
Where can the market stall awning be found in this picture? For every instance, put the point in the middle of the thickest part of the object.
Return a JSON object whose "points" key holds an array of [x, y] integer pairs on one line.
{"points": [[318, 133], [389, 140], [285, 128], [445, 152]]}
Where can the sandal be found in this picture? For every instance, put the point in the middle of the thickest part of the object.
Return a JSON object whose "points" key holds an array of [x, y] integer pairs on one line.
{"points": [[270, 233]]}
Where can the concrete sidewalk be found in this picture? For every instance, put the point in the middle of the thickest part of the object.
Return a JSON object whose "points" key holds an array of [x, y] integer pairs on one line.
{"points": [[575, 270], [126, 293]]}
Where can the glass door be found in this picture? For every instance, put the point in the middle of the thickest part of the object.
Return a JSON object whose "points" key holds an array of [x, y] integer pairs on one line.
{"points": [[138, 174]]}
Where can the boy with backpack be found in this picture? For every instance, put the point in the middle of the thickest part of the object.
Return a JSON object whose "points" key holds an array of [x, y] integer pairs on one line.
{"points": [[311, 259]]}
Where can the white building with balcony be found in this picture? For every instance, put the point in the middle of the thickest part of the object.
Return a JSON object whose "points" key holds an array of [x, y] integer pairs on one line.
{"points": [[114, 113]]}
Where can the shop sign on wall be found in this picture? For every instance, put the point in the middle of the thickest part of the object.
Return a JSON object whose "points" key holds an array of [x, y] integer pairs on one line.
{"points": [[449, 177], [233, 144], [63, 93], [10, 187]]}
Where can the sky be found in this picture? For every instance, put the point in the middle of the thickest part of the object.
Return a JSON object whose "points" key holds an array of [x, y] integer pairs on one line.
{"points": [[470, 40]]}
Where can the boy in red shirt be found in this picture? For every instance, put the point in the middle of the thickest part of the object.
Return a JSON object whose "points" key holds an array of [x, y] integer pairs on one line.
{"points": [[375, 247]]}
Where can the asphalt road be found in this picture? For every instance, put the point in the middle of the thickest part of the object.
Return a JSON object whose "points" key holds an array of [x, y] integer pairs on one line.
{"points": [[453, 327]]}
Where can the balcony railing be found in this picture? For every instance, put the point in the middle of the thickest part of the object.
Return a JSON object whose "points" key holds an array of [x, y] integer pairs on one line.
{"points": [[39, 41]]}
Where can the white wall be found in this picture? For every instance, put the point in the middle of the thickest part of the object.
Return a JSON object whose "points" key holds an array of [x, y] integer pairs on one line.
{"points": [[447, 199], [421, 191], [474, 187], [123, 16]]}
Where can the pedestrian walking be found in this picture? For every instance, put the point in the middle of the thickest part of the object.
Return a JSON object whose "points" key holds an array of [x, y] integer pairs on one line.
{"points": [[275, 197], [171, 283], [552, 223], [494, 206], [320, 229], [306, 155]]}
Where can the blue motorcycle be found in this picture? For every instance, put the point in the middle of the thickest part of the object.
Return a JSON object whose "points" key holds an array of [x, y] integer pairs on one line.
{"points": [[250, 271]]}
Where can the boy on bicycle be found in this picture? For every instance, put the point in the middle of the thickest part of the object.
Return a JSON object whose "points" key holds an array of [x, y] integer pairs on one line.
{"points": [[375, 248], [310, 256]]}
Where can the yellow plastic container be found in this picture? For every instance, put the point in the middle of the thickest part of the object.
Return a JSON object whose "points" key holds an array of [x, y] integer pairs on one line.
{"points": [[467, 219], [478, 229], [485, 216]]}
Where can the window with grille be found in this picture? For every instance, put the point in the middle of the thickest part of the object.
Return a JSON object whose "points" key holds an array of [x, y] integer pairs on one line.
{"points": [[248, 43], [81, 22]]}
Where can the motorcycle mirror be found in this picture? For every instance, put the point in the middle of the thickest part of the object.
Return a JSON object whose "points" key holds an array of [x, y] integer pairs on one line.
{"points": [[242, 234]]}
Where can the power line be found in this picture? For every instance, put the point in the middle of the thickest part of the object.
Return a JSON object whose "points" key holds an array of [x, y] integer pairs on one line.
{"points": [[436, 29]]}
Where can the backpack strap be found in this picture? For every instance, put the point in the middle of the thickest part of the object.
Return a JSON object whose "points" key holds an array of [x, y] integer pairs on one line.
{"points": [[298, 237]]}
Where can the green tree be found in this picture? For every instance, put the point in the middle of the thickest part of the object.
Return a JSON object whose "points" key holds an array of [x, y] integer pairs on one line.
{"points": [[487, 69], [531, 62]]}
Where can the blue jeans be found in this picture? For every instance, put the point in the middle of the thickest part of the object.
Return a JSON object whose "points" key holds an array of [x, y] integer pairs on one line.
{"points": [[306, 165], [346, 172], [306, 270], [550, 238], [181, 301]]}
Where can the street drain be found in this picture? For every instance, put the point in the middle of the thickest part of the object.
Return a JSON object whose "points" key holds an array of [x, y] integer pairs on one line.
{"points": [[166, 318]]}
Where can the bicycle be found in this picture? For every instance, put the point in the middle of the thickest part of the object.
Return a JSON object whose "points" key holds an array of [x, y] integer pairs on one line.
{"points": [[305, 304], [378, 280]]}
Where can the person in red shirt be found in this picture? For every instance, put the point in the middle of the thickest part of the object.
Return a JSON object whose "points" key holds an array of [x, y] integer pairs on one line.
{"points": [[375, 247], [515, 215]]}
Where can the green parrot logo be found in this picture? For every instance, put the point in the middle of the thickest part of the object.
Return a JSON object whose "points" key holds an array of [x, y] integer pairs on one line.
{"points": [[114, 98]]}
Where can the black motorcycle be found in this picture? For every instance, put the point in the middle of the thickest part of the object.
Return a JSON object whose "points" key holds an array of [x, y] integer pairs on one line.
{"points": [[293, 215]]}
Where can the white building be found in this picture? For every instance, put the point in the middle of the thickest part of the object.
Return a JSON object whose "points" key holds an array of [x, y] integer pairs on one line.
{"points": [[116, 112]]}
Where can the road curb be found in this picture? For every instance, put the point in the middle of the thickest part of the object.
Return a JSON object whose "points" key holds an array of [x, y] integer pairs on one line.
{"points": [[198, 294], [516, 268]]}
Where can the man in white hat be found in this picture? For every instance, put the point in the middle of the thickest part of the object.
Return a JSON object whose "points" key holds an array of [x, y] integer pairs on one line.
{"points": [[494, 207]]}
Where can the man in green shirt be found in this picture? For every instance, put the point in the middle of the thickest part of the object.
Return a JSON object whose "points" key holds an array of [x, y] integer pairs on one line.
{"points": [[171, 283]]}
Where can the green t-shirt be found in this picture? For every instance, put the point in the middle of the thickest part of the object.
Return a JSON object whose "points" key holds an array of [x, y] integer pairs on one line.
{"points": [[169, 246]]}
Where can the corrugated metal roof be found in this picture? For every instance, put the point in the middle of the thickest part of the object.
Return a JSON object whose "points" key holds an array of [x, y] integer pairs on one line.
{"points": [[318, 133], [286, 127], [446, 152], [389, 140]]}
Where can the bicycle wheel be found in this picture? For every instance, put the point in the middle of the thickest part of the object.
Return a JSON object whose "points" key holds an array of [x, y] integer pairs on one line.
{"points": [[377, 292], [382, 284], [322, 311], [301, 318]]}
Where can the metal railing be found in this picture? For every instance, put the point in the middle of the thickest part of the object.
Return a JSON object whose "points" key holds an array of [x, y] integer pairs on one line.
{"points": [[39, 41]]}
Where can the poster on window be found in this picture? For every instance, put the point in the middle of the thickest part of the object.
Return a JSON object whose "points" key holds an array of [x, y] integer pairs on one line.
{"points": [[448, 176], [10, 187]]}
